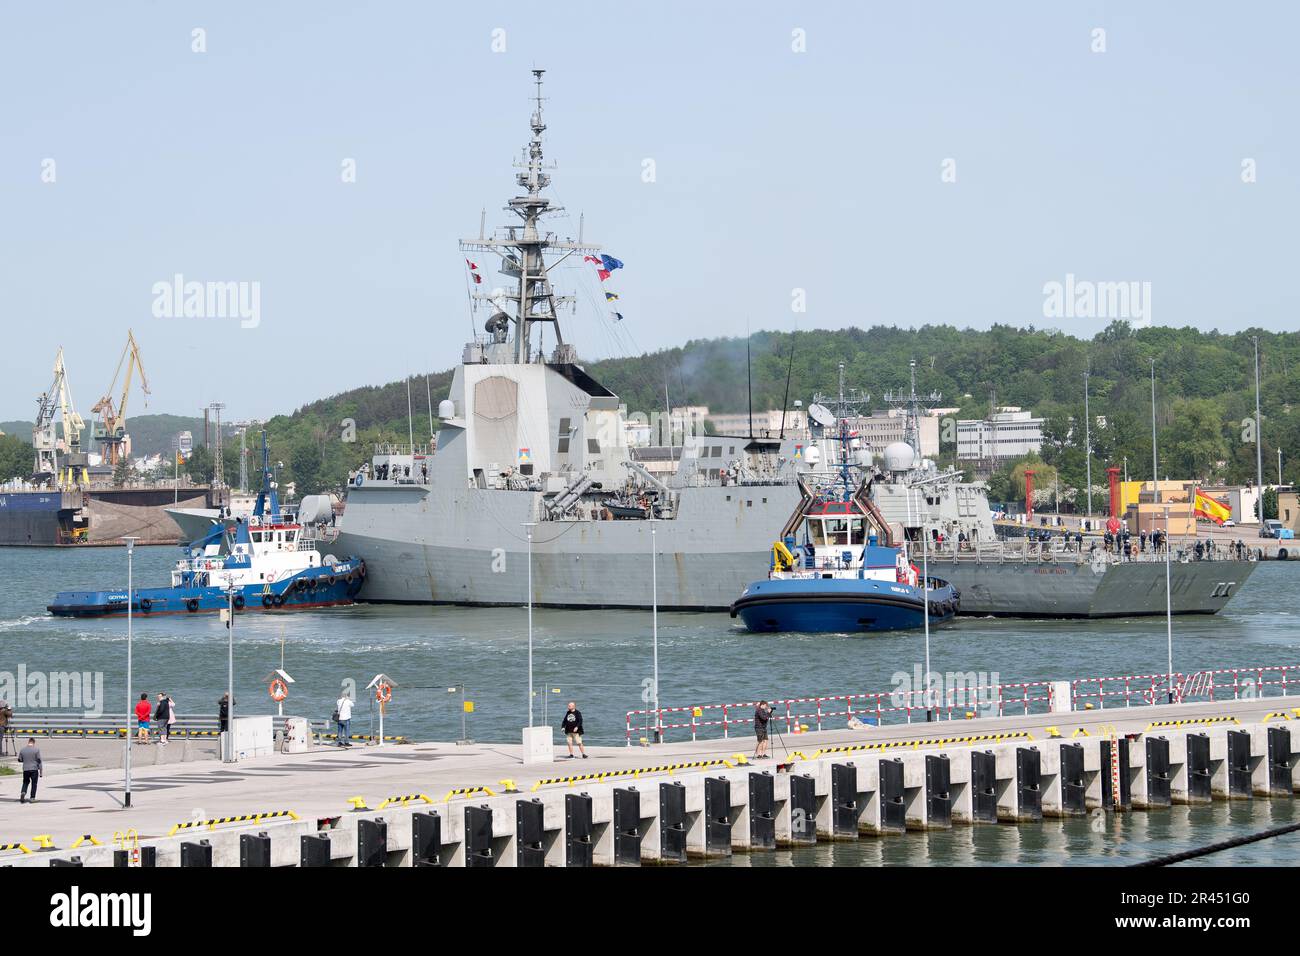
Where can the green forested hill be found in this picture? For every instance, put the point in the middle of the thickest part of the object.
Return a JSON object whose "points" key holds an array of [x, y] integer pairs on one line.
{"points": [[1205, 389]]}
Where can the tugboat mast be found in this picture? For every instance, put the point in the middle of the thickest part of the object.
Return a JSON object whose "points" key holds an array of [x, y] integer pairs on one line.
{"points": [[523, 249]]}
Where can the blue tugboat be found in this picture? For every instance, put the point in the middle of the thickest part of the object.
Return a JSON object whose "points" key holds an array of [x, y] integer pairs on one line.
{"points": [[267, 561], [841, 579], [847, 575]]}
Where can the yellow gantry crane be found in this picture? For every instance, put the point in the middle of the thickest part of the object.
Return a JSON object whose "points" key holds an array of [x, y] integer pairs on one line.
{"points": [[110, 429]]}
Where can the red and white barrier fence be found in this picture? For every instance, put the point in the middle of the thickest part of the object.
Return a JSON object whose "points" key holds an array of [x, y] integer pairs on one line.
{"points": [[958, 702]]}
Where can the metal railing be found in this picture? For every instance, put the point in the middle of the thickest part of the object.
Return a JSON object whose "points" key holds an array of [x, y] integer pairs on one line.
{"points": [[961, 702], [72, 724]]}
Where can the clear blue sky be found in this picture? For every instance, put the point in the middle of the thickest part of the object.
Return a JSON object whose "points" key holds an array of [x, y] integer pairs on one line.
{"points": [[775, 170]]}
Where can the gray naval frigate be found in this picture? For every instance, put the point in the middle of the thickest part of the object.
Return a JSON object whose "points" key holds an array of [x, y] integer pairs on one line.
{"points": [[531, 456], [1018, 577], [531, 480]]}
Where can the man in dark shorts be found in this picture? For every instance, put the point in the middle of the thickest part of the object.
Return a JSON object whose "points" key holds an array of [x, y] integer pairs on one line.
{"points": [[762, 714]]}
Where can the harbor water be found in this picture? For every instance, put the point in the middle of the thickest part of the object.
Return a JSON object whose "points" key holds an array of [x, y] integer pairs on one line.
{"points": [[603, 660]]}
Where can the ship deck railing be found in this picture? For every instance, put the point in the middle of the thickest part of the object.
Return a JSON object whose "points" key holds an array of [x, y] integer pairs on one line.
{"points": [[962, 696], [1055, 552]]}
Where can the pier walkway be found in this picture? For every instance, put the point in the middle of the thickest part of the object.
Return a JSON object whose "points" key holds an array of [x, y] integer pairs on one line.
{"points": [[76, 804]]}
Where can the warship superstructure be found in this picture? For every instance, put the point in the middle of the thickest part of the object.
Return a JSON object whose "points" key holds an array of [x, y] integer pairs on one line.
{"points": [[531, 463], [530, 446]]}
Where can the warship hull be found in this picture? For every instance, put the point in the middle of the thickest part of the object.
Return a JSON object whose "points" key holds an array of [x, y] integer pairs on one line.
{"points": [[1037, 588], [470, 547]]}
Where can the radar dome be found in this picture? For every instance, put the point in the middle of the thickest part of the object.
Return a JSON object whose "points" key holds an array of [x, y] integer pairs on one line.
{"points": [[899, 456]]}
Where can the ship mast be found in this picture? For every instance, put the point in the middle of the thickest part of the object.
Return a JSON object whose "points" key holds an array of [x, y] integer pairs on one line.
{"points": [[523, 249], [911, 404]]}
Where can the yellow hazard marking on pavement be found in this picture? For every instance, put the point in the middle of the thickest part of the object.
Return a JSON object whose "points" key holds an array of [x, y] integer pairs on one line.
{"points": [[1187, 721], [243, 818], [467, 792], [403, 800]]}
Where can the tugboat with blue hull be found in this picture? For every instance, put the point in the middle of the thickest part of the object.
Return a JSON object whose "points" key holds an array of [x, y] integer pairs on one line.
{"points": [[264, 563], [848, 574], [842, 580]]}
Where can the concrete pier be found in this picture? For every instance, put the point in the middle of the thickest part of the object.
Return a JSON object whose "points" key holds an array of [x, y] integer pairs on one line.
{"points": [[448, 805]]}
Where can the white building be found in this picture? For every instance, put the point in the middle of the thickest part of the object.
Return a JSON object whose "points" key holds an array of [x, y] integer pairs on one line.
{"points": [[1011, 433], [882, 428]]}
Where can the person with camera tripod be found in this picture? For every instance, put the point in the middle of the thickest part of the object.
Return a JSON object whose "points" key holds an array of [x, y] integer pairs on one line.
{"points": [[762, 714]]}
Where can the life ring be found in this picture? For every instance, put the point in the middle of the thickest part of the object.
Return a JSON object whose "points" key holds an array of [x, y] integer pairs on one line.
{"points": [[239, 602], [146, 605], [192, 605], [384, 692], [278, 690], [266, 600]]}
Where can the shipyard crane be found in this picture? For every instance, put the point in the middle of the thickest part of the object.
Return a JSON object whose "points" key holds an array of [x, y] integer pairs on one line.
{"points": [[110, 429], [45, 433]]}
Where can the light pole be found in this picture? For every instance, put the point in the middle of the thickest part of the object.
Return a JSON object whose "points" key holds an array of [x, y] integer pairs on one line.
{"points": [[1169, 610], [1259, 437], [925, 590], [528, 526], [1087, 441], [654, 617], [130, 704], [229, 756], [1155, 468]]}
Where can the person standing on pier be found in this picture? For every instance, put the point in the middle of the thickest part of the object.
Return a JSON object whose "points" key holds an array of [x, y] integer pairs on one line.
{"points": [[162, 714], [571, 725], [30, 758], [223, 712], [142, 714], [343, 716], [762, 714]]}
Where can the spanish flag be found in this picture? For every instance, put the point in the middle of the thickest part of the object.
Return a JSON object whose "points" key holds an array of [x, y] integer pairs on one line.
{"points": [[1207, 507]]}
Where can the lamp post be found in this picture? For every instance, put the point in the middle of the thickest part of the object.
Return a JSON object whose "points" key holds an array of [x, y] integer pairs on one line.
{"points": [[528, 527], [925, 590], [1087, 441], [654, 617], [1169, 610], [130, 704], [1259, 437], [1155, 467], [229, 755]]}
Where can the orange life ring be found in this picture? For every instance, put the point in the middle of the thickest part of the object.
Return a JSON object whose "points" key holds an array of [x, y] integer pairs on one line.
{"points": [[384, 693], [279, 690]]}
